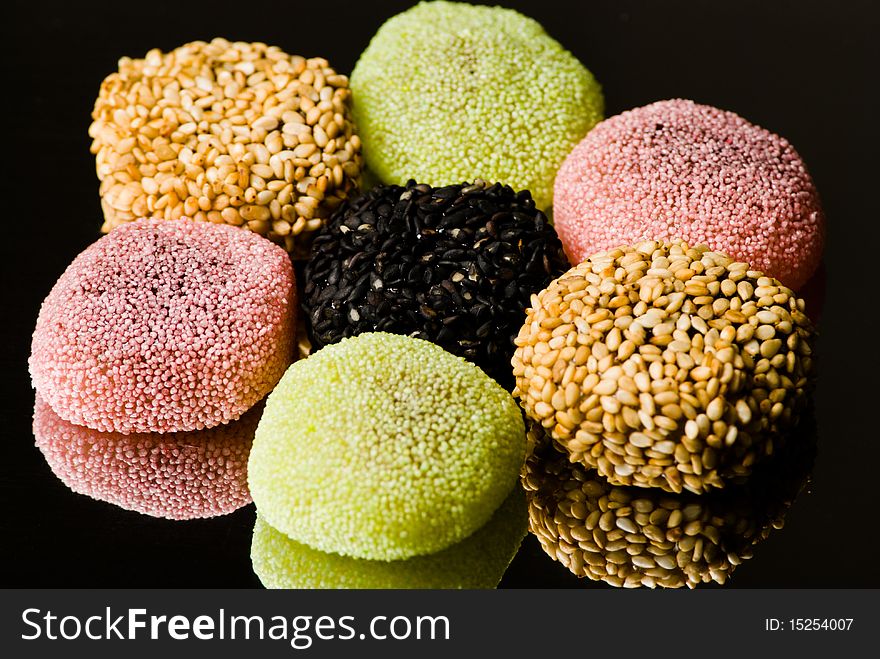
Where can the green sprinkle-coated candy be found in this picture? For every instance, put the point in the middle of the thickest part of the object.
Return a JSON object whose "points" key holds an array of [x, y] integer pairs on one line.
{"points": [[384, 447], [447, 92]]}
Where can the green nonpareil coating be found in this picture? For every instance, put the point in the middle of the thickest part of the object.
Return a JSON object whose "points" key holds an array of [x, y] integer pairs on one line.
{"points": [[447, 92], [478, 561], [384, 447]]}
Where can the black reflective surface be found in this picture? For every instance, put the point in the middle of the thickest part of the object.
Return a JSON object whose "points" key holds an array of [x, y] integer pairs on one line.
{"points": [[803, 69]]}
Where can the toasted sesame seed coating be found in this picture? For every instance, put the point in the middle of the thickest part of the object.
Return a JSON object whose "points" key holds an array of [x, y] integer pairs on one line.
{"points": [[662, 365], [478, 561], [676, 169], [226, 132], [447, 91], [165, 326], [184, 475], [384, 447]]}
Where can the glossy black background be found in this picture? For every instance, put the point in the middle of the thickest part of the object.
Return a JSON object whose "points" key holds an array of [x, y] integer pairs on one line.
{"points": [[804, 69]]}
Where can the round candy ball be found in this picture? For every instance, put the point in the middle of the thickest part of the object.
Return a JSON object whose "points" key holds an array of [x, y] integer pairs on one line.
{"points": [[384, 447], [236, 133], [453, 265], [165, 327], [676, 169], [663, 365], [448, 91], [478, 561], [184, 475], [630, 537]]}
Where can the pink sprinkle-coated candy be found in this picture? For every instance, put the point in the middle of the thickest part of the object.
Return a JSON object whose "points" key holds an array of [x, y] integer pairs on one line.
{"points": [[676, 169], [165, 326], [181, 475]]}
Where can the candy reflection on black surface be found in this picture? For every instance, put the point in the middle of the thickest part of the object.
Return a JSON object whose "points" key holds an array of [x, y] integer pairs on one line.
{"points": [[478, 561], [630, 536], [182, 475]]}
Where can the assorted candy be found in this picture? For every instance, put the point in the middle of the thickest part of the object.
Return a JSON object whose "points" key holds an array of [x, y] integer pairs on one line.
{"points": [[655, 347]]}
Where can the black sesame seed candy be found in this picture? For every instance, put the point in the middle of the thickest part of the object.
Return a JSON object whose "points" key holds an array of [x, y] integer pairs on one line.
{"points": [[455, 265]]}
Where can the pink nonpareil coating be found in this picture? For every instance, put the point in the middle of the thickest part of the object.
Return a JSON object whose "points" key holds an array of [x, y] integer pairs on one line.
{"points": [[165, 326], [183, 475], [676, 169]]}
